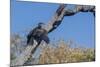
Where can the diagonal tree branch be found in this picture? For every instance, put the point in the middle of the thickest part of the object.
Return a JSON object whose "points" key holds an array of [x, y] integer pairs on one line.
{"points": [[56, 19], [22, 58], [52, 25]]}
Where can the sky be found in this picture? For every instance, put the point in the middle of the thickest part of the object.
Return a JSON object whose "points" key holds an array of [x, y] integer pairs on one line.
{"points": [[79, 28]]}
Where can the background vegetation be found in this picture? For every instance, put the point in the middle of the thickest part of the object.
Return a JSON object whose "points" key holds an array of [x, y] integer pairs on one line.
{"points": [[60, 52]]}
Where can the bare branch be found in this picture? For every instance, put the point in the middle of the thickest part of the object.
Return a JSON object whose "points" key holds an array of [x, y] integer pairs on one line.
{"points": [[52, 25]]}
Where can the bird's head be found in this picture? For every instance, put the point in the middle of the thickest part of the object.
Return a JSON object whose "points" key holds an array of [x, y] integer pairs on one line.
{"points": [[41, 25]]}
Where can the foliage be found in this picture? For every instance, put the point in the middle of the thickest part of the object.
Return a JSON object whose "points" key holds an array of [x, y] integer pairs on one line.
{"points": [[63, 52]]}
